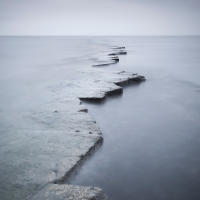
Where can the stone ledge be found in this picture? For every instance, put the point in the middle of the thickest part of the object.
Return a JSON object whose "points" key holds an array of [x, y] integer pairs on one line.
{"points": [[69, 192]]}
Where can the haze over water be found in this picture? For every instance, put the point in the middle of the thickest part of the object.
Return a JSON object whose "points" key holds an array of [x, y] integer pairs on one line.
{"points": [[152, 131]]}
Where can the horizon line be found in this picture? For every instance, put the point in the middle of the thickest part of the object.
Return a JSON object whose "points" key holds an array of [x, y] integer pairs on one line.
{"points": [[90, 35]]}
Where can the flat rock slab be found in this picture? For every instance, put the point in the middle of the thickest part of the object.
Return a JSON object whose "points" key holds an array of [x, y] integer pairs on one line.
{"points": [[105, 60], [32, 159], [69, 192]]}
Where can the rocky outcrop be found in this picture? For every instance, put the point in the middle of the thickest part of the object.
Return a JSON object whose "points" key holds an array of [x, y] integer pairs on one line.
{"points": [[116, 47], [104, 64], [82, 133], [63, 134], [111, 58], [71, 192], [115, 58], [114, 87], [118, 53]]}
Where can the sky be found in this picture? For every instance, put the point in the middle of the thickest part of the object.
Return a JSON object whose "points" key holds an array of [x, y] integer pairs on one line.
{"points": [[99, 17]]}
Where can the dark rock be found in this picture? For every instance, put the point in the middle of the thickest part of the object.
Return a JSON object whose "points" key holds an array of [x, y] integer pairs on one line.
{"points": [[92, 99], [142, 77], [118, 53], [139, 78], [115, 91], [135, 78], [117, 47], [103, 64], [115, 58], [83, 110]]}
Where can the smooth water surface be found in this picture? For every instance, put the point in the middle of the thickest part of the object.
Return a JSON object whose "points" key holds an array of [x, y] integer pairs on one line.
{"points": [[152, 131], [32, 69], [34, 77]]}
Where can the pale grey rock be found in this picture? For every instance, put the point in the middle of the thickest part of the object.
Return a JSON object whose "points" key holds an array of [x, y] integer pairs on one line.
{"points": [[34, 158], [69, 192]]}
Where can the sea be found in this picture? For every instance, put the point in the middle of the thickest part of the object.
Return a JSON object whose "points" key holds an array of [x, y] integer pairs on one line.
{"points": [[151, 132]]}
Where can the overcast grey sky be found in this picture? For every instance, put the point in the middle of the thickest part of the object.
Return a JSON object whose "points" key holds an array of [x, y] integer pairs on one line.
{"points": [[99, 17]]}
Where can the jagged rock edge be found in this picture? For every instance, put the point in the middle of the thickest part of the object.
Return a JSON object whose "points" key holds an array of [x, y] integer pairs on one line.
{"points": [[119, 90], [81, 160], [99, 139], [135, 78]]}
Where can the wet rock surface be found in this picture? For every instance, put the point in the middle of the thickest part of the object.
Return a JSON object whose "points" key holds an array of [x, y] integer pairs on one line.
{"points": [[65, 134], [105, 60], [118, 53], [116, 47], [115, 58], [110, 58], [47, 156], [63, 192]]}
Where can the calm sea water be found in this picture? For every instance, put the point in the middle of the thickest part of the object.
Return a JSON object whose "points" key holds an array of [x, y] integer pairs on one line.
{"points": [[151, 132]]}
